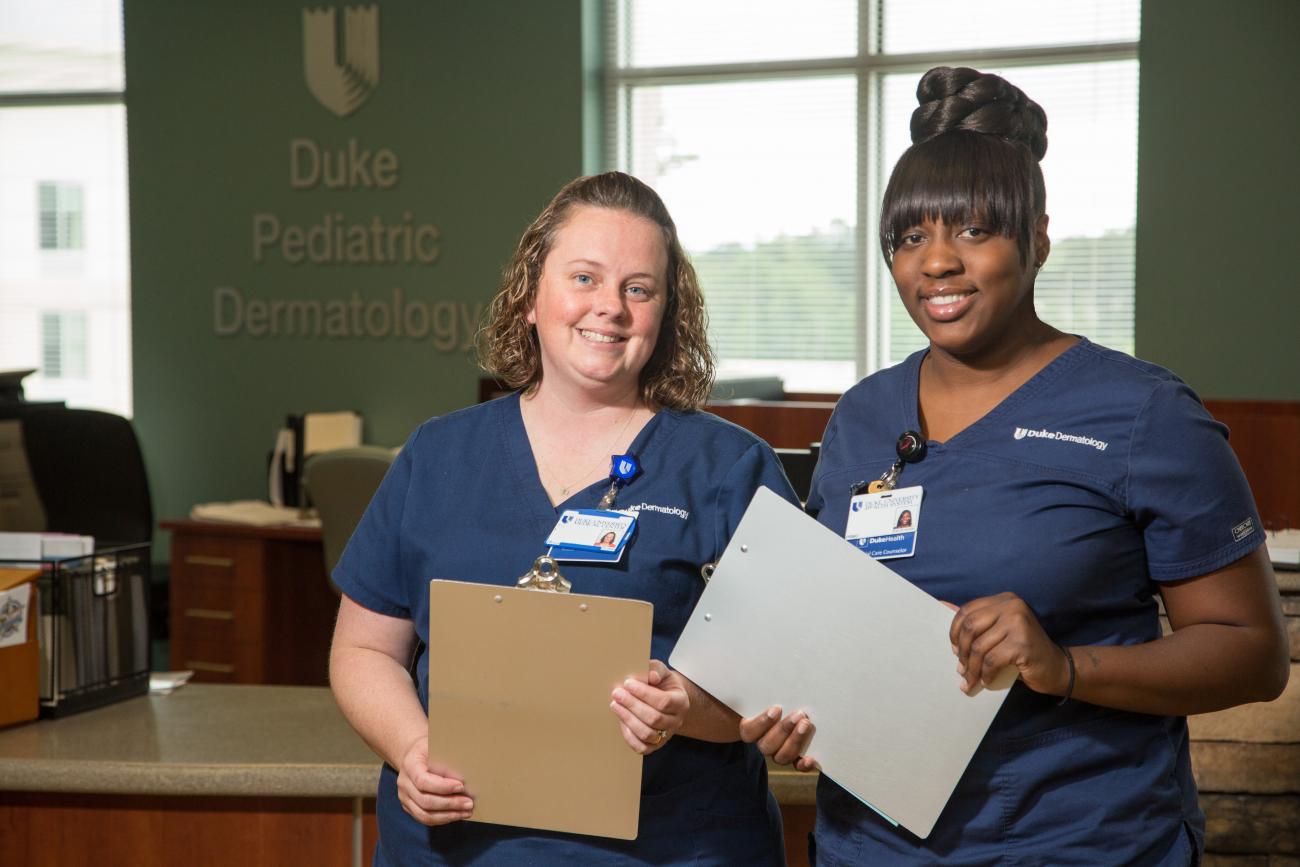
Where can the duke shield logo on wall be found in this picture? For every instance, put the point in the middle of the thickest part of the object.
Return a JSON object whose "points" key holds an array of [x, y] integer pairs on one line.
{"points": [[341, 88]]}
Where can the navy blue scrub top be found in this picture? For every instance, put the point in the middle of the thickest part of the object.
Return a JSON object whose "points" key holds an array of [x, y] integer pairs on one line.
{"points": [[1099, 476], [464, 501]]}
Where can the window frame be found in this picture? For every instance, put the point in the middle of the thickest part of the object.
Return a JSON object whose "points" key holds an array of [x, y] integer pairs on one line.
{"points": [[870, 67]]}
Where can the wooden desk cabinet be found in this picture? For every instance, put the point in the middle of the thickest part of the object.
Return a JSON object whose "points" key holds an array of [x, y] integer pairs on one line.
{"points": [[249, 604]]}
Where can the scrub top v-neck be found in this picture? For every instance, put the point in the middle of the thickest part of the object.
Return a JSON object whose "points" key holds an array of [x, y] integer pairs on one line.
{"points": [[1025, 391], [1093, 481], [464, 501], [533, 496]]}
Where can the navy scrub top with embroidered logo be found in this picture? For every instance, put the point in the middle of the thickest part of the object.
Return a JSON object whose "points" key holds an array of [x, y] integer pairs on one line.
{"points": [[464, 501], [1098, 476]]}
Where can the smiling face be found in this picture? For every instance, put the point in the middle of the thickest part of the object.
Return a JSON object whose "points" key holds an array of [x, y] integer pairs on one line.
{"points": [[967, 287], [600, 301]]}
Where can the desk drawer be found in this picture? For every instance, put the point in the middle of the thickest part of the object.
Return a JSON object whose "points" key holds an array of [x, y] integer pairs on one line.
{"points": [[214, 559], [215, 610], [209, 596], [216, 660], [250, 605], [214, 625]]}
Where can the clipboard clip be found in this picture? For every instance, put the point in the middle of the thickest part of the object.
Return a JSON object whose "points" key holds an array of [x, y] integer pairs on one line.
{"points": [[545, 575]]}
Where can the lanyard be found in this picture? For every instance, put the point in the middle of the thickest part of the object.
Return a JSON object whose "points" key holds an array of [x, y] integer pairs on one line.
{"points": [[910, 449]]}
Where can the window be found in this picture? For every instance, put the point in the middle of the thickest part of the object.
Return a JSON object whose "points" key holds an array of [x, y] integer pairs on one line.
{"points": [[63, 345], [60, 222], [64, 271], [770, 129]]}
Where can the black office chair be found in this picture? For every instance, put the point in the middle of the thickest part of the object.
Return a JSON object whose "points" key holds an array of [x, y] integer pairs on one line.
{"points": [[339, 484], [87, 468], [799, 465]]}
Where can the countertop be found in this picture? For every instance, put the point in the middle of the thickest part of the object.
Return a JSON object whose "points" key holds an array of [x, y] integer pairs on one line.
{"points": [[203, 739], [217, 739]]}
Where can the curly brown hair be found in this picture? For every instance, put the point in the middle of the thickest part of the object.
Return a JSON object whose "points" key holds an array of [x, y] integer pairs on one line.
{"points": [[679, 374]]}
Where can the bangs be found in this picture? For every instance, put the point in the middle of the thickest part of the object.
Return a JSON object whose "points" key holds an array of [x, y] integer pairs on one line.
{"points": [[960, 177]]}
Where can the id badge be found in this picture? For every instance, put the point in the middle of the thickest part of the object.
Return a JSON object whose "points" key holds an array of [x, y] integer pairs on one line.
{"points": [[594, 535], [884, 524]]}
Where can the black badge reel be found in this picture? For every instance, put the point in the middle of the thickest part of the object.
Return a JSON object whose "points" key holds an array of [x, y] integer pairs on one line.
{"points": [[910, 449]]}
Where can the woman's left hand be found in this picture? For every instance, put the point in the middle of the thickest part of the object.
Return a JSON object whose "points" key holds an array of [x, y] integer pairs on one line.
{"points": [[784, 740], [993, 632], [652, 712]]}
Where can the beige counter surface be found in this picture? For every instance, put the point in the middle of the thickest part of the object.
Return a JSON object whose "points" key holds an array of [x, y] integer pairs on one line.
{"points": [[209, 739], [203, 739]]}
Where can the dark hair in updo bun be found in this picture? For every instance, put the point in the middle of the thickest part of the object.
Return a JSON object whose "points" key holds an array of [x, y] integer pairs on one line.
{"points": [[976, 143]]}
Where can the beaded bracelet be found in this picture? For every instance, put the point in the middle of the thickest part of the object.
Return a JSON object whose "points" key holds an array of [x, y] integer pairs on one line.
{"points": [[1069, 658]]}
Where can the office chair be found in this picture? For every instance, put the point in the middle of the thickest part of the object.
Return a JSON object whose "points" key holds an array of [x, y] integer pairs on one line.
{"points": [[87, 468], [799, 465], [340, 484]]}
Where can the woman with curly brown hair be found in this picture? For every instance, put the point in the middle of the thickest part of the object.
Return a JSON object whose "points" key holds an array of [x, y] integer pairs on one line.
{"points": [[600, 324]]}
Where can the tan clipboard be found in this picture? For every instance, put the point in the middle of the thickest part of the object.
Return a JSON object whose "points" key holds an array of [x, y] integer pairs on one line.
{"points": [[519, 693]]}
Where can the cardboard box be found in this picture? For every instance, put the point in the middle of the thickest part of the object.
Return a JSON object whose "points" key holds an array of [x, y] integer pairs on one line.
{"points": [[20, 655]]}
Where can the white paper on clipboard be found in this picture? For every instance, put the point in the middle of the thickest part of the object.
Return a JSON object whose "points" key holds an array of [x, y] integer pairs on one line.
{"points": [[797, 617]]}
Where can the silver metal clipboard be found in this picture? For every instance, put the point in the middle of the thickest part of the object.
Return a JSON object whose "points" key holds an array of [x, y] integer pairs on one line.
{"points": [[519, 692], [796, 616]]}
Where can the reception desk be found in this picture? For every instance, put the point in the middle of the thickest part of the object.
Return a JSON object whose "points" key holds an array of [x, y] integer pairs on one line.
{"points": [[247, 775], [213, 774]]}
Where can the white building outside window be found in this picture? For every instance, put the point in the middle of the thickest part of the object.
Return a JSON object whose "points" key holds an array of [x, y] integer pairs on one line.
{"points": [[63, 345], [64, 244], [61, 216]]}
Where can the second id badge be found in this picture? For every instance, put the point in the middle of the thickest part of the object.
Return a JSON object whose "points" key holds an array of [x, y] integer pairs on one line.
{"points": [[591, 534], [884, 524]]}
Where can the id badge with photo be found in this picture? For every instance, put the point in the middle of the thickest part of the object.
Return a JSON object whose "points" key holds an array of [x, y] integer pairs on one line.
{"points": [[884, 524], [595, 535]]}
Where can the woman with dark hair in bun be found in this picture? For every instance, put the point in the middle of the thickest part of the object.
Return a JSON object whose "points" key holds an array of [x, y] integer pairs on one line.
{"points": [[1065, 486]]}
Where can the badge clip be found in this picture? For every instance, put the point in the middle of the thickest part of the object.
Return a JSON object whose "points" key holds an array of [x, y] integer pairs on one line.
{"points": [[545, 576], [910, 449], [622, 469]]}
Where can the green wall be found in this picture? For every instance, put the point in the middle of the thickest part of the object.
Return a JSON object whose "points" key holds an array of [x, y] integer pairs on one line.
{"points": [[481, 106], [1218, 195]]}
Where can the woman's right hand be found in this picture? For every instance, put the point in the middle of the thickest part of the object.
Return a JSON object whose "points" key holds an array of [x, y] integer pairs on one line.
{"points": [[784, 740], [430, 799]]}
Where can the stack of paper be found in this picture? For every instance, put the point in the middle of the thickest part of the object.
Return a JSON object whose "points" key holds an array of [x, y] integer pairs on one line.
{"points": [[326, 431], [167, 682], [1284, 548], [35, 547], [257, 513]]}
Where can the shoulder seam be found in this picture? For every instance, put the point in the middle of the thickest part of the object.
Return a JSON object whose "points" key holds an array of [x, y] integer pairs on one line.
{"points": [[1132, 440], [1137, 365]]}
